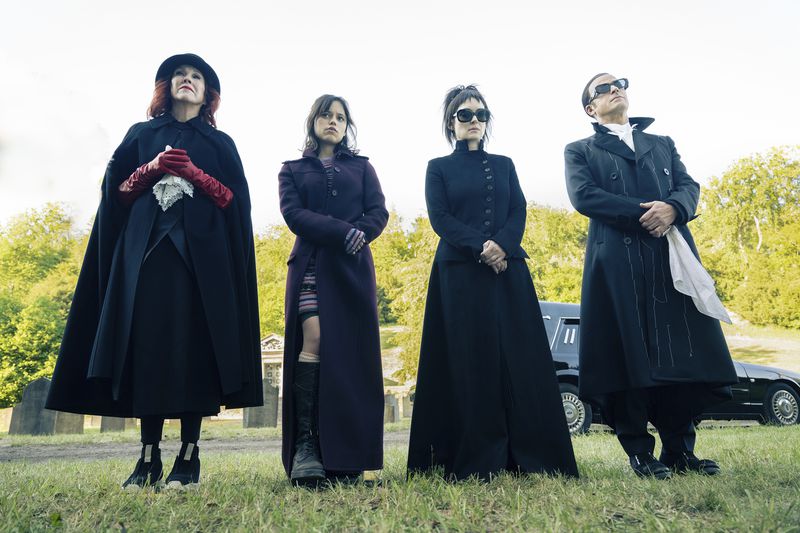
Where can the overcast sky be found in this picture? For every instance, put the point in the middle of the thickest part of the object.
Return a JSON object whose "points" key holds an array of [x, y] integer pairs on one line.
{"points": [[722, 78]]}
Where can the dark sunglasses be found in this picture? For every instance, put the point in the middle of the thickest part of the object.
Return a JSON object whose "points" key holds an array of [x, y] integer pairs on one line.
{"points": [[604, 88], [465, 115]]}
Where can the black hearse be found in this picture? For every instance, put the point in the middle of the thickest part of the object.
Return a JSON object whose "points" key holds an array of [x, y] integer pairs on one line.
{"points": [[766, 394]]}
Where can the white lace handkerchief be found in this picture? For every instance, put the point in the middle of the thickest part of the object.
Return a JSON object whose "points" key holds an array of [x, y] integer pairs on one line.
{"points": [[690, 278], [170, 189]]}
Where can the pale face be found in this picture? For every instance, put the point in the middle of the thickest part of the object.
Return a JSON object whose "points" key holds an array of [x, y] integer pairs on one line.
{"points": [[331, 125], [614, 102], [188, 85], [473, 130]]}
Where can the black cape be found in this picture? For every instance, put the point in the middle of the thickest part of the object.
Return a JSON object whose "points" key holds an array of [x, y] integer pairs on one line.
{"points": [[89, 371]]}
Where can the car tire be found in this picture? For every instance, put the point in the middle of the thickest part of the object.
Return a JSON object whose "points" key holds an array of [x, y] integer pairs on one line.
{"points": [[781, 405], [577, 412]]}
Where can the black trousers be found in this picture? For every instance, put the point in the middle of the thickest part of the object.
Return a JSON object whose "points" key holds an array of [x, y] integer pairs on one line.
{"points": [[152, 427], [628, 413]]}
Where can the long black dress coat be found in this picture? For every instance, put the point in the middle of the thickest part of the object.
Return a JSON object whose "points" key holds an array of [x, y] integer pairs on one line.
{"points": [[637, 331], [351, 379], [486, 398], [90, 373]]}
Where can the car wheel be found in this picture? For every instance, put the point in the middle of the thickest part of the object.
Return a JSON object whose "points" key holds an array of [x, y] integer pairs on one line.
{"points": [[781, 405], [578, 413]]}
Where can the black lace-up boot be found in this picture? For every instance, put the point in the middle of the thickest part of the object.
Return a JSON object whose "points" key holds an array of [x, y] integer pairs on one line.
{"points": [[307, 464]]}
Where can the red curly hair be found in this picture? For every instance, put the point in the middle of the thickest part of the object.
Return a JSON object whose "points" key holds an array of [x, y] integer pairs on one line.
{"points": [[162, 102]]}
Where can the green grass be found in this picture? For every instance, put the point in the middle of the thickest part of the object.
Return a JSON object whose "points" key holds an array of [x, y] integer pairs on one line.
{"points": [[758, 491], [751, 330], [214, 430]]}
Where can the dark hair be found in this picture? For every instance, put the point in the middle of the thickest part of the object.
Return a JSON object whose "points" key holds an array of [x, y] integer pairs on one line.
{"points": [[162, 102], [321, 105], [453, 100], [585, 96]]}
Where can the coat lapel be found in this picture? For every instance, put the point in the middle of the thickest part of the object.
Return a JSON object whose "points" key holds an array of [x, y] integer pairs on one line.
{"points": [[642, 142], [613, 144]]}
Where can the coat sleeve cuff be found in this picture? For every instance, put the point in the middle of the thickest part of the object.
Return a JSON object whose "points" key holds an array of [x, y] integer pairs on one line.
{"points": [[680, 218]]}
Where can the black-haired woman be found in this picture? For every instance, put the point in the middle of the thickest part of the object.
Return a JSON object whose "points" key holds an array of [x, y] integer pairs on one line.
{"points": [[486, 400], [164, 322], [332, 200]]}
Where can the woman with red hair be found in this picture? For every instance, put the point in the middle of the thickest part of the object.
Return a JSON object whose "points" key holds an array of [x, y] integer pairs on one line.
{"points": [[164, 321]]}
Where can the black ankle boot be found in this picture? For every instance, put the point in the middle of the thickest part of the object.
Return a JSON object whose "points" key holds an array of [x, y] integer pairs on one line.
{"points": [[307, 466], [186, 470], [148, 470]]}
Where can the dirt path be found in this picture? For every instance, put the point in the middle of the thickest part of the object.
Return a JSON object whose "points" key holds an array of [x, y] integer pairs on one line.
{"points": [[113, 450]]}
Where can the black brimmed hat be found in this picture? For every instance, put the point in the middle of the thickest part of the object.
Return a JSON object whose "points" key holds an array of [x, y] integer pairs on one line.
{"points": [[171, 63]]}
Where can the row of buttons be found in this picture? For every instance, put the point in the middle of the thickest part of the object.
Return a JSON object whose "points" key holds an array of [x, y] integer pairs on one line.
{"points": [[334, 192], [489, 197]]}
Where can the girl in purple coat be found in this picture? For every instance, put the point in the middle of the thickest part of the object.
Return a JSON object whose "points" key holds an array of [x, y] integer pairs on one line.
{"points": [[332, 200]]}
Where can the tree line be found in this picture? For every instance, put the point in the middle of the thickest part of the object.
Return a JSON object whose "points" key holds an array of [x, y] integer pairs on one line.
{"points": [[748, 235]]}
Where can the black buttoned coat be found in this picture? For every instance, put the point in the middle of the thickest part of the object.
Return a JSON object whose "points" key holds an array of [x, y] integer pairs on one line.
{"points": [[637, 331], [351, 380], [486, 398]]}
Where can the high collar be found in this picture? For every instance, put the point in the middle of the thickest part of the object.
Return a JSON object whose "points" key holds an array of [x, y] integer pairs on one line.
{"points": [[463, 146], [641, 124], [339, 153], [612, 143], [197, 123]]}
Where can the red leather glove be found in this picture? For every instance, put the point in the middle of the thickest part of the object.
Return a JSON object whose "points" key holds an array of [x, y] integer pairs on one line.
{"points": [[219, 193], [167, 162]]}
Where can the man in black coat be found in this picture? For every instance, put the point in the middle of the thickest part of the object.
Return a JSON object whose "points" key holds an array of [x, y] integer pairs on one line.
{"points": [[646, 352]]}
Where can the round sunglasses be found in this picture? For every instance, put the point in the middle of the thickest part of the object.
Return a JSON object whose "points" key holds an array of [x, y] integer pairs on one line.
{"points": [[465, 115], [604, 88]]}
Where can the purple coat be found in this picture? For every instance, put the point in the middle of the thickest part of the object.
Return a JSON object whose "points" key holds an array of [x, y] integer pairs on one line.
{"points": [[351, 380]]}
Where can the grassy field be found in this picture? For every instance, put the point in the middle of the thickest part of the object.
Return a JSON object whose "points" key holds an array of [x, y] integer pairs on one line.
{"points": [[758, 491]]}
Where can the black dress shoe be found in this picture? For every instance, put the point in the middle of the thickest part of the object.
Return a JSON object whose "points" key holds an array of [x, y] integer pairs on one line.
{"points": [[186, 470], [645, 465], [687, 462], [148, 471]]}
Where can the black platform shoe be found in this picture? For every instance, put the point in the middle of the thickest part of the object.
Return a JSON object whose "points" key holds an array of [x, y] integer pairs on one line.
{"points": [[645, 465], [687, 462], [148, 471], [186, 470], [307, 469]]}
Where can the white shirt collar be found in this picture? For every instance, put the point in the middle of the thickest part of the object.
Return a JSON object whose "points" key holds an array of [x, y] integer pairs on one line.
{"points": [[623, 131]]}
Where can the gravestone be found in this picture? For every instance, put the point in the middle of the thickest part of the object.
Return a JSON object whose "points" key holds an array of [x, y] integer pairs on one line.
{"points": [[408, 406], [265, 415], [391, 409], [113, 423], [29, 416]]}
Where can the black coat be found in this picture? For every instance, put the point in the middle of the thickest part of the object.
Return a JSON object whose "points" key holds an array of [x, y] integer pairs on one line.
{"points": [[637, 331], [351, 379], [92, 361], [486, 397]]}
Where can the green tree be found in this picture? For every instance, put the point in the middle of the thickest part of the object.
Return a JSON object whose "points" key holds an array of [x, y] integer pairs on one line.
{"points": [[388, 251], [32, 244], [40, 255], [272, 251], [555, 240], [747, 236], [412, 270]]}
